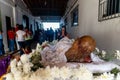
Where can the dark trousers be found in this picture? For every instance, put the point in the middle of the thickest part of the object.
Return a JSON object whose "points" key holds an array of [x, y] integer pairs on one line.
{"points": [[22, 46], [2, 51], [11, 44], [28, 43]]}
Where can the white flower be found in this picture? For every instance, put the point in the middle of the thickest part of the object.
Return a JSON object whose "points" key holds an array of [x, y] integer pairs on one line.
{"points": [[42, 74], [103, 53], [35, 77], [38, 47], [13, 63], [9, 76], [97, 49], [117, 54], [19, 65], [105, 76], [24, 58], [82, 74], [27, 68], [48, 71], [14, 70], [118, 76], [18, 75], [55, 72], [32, 53], [26, 77], [65, 73]]}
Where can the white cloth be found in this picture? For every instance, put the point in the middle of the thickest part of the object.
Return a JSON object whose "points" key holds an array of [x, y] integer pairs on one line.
{"points": [[55, 56], [97, 66], [20, 35], [95, 58], [56, 53]]}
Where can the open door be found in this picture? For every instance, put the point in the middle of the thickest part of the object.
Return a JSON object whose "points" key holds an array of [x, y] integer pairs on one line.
{"points": [[8, 26], [25, 21]]}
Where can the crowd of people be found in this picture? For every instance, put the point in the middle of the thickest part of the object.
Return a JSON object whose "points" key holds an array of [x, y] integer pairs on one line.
{"points": [[22, 38], [49, 34]]}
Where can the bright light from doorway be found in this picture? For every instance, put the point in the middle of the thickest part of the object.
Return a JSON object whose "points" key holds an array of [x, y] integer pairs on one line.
{"points": [[54, 25]]}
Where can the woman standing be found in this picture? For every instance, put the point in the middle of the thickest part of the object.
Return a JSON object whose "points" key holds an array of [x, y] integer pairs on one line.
{"points": [[20, 34]]}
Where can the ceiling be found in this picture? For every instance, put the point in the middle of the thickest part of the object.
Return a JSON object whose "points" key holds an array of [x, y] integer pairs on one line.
{"points": [[49, 10]]}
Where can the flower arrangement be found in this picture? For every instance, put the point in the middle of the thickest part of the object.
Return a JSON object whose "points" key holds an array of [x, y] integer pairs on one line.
{"points": [[9, 76], [35, 57], [115, 71], [30, 68], [107, 56], [63, 73], [105, 76], [117, 54], [118, 76], [35, 60]]}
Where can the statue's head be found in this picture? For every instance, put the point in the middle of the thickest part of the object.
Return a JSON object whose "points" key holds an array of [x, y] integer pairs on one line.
{"points": [[86, 44], [81, 49]]}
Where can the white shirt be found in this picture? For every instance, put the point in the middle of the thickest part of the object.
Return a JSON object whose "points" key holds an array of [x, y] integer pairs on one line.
{"points": [[20, 35]]}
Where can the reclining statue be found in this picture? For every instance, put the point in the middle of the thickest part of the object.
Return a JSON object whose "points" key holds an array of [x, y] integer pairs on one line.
{"points": [[75, 54]]}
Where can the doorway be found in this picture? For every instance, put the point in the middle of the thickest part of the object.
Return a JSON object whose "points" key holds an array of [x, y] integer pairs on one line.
{"points": [[8, 26], [25, 21]]}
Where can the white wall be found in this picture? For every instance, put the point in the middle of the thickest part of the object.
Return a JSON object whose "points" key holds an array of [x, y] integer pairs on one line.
{"points": [[6, 10], [20, 10], [106, 33]]}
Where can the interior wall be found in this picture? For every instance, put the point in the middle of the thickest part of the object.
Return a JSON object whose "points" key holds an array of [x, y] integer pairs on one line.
{"points": [[106, 33], [6, 10]]}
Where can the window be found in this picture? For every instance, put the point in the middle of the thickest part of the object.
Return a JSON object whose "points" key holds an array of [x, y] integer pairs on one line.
{"points": [[74, 17], [108, 9]]}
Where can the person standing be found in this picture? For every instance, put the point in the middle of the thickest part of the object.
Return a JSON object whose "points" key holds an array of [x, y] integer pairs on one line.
{"points": [[16, 27], [1, 44], [63, 33], [16, 43], [11, 37], [20, 34], [51, 34], [28, 37]]}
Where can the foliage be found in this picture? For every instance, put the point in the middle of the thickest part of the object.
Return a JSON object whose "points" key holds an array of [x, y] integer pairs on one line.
{"points": [[35, 59], [115, 71]]}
